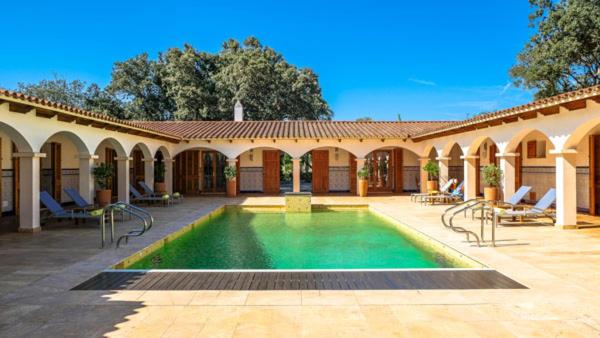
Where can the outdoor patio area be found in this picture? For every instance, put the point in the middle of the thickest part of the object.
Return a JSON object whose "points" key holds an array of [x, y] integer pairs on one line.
{"points": [[560, 268]]}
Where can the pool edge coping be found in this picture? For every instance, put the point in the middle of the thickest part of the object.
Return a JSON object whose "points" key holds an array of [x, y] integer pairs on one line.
{"points": [[418, 237]]}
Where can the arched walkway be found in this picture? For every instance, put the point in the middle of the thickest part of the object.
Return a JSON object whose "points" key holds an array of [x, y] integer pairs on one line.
{"points": [[393, 170]]}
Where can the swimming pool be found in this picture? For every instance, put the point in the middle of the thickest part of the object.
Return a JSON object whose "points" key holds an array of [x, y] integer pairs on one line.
{"points": [[238, 238]]}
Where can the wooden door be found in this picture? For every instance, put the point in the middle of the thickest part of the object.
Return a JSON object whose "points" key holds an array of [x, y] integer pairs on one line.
{"points": [[16, 181], [320, 171], [492, 154], [56, 158], [137, 169], [271, 171], [594, 176], [519, 167], [110, 156], [398, 171], [478, 173], [353, 177], [237, 175]]}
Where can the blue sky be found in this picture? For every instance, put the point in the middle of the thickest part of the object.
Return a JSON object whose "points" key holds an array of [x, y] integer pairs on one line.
{"points": [[425, 60]]}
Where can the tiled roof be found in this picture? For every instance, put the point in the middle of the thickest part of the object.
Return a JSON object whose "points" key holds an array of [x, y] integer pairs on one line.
{"points": [[547, 106], [292, 129], [11, 96]]}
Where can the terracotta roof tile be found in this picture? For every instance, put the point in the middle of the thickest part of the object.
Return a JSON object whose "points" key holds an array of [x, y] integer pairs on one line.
{"points": [[291, 129]]}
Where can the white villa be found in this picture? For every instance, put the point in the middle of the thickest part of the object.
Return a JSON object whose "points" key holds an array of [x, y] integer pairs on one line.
{"points": [[554, 142]]}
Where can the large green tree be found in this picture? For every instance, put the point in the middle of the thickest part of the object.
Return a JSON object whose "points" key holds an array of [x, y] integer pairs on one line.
{"points": [[187, 84], [564, 53]]}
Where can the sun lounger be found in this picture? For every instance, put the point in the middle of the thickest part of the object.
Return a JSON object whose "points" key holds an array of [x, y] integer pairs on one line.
{"points": [[443, 190], [57, 211], [455, 195], [512, 203], [79, 201], [138, 197], [539, 210], [175, 197]]}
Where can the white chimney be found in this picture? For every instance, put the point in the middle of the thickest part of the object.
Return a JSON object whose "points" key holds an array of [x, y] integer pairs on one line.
{"points": [[238, 112]]}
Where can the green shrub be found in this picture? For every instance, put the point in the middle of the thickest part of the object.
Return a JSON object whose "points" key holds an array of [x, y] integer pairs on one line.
{"points": [[230, 172], [492, 175], [103, 173], [432, 169]]}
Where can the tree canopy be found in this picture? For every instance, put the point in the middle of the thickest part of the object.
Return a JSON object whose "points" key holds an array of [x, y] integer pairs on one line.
{"points": [[187, 84], [564, 53]]}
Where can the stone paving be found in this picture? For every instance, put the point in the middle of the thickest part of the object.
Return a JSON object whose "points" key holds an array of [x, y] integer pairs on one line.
{"points": [[560, 267]]}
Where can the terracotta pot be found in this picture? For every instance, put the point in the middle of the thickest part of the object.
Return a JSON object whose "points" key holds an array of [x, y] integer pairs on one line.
{"points": [[103, 197], [490, 193], [432, 186], [160, 187], [231, 188], [363, 186]]}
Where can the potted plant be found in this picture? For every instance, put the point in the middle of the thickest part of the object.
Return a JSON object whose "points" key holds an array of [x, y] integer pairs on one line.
{"points": [[230, 176], [103, 174], [433, 170], [492, 176], [159, 177], [363, 181]]}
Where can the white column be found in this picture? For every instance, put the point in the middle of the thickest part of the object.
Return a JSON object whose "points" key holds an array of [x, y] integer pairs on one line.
{"points": [[29, 195], [360, 163], [296, 174], [566, 189], [423, 174], [470, 177], [444, 164], [169, 174], [123, 178], [86, 179], [507, 165], [149, 172]]}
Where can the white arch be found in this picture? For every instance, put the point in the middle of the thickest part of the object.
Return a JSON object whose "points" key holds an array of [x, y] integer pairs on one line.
{"points": [[144, 148], [476, 143], [81, 147], [116, 145], [514, 142], [165, 152], [447, 150], [16, 137], [579, 133]]}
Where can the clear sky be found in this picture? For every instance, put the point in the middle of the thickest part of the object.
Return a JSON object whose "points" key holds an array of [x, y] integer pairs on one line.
{"points": [[427, 60]]}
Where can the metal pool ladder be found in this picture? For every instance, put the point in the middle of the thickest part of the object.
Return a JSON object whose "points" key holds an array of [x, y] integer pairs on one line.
{"points": [[450, 213], [146, 221]]}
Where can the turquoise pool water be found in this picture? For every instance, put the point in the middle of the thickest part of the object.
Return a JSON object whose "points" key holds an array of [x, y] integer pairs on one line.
{"points": [[240, 239]]}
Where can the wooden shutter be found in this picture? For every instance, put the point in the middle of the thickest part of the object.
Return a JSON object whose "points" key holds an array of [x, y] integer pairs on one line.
{"points": [[320, 171], [478, 173], [532, 149], [352, 174], [56, 165], [110, 158], [237, 175], [492, 154], [398, 171], [594, 175], [16, 181], [271, 171], [519, 167]]}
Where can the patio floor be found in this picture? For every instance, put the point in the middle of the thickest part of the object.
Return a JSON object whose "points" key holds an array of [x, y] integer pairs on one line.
{"points": [[561, 269]]}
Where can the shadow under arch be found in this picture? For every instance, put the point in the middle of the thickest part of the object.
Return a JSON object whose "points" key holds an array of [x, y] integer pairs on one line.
{"points": [[513, 144], [16, 137], [143, 148], [114, 144], [163, 151], [393, 169]]}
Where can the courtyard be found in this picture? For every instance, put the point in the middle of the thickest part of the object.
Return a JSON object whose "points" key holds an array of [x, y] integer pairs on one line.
{"points": [[559, 268]]}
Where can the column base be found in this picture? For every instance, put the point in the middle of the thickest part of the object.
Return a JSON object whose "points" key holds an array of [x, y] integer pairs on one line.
{"points": [[567, 227], [30, 230]]}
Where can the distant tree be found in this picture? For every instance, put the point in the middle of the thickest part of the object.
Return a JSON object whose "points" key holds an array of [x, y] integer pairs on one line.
{"points": [[138, 82], [77, 94], [364, 119], [399, 117], [57, 90], [564, 53]]}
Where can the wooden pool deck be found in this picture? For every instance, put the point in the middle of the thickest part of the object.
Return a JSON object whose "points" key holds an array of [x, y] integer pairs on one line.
{"points": [[297, 280]]}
